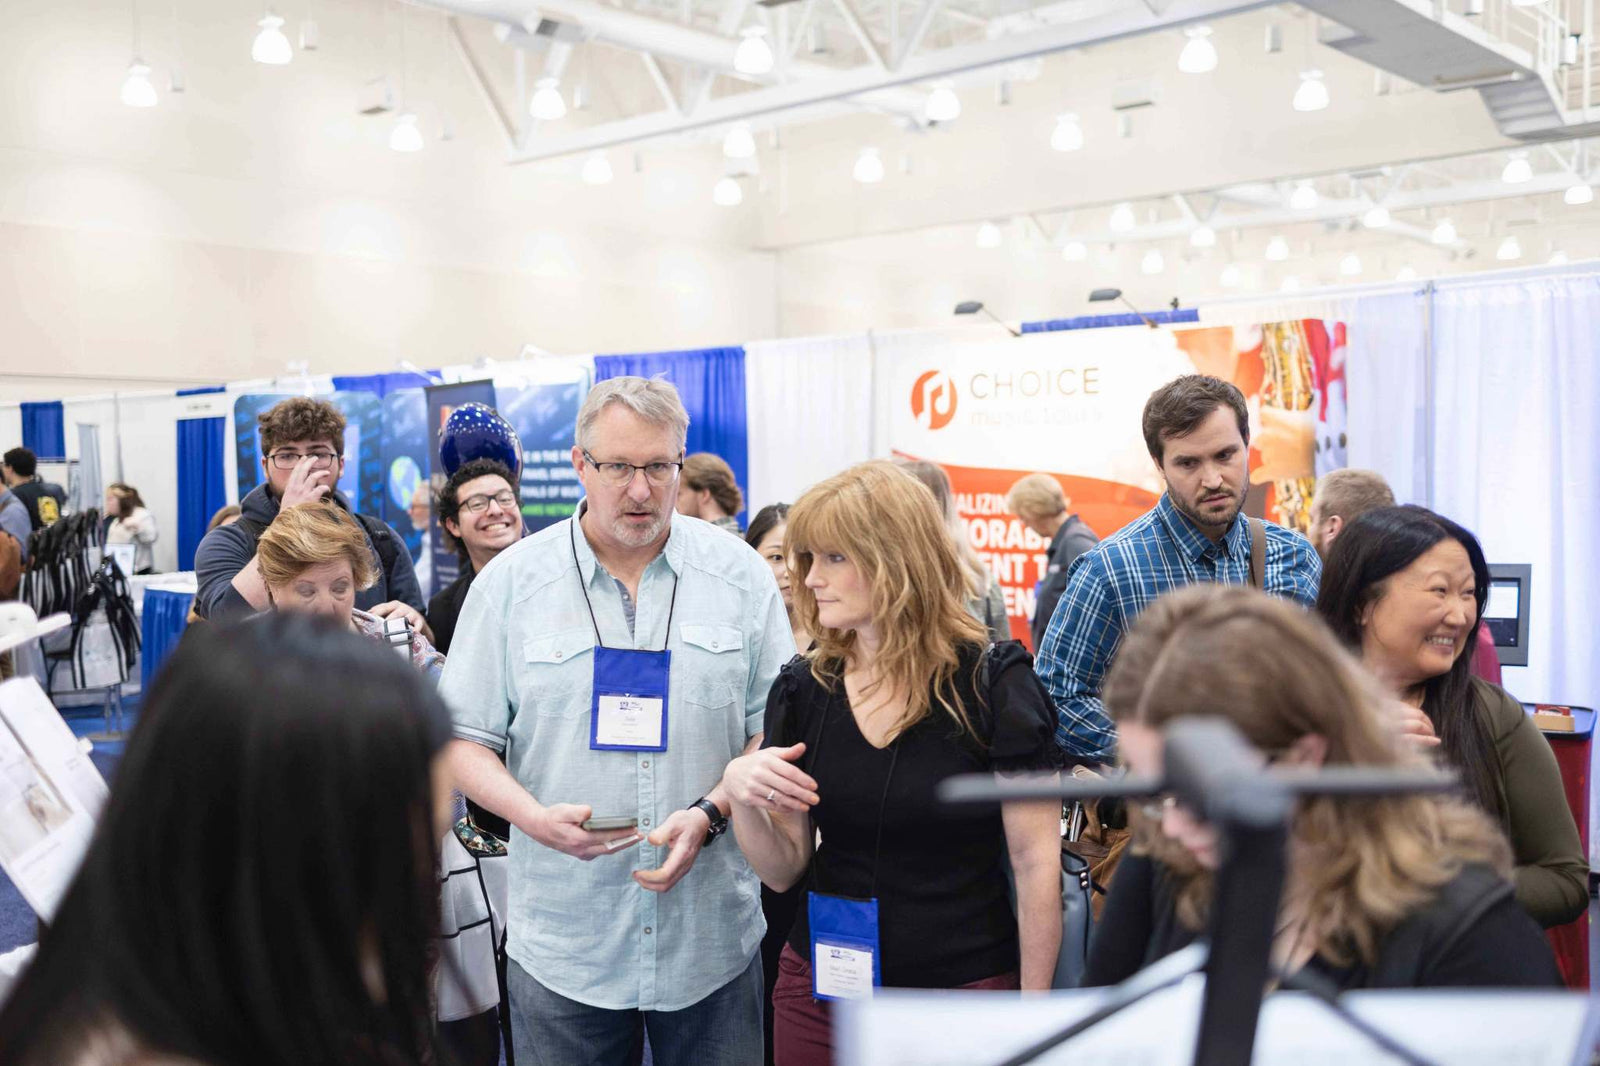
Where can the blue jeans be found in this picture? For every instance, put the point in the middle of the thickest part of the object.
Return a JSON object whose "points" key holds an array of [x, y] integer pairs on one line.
{"points": [[724, 1029]]}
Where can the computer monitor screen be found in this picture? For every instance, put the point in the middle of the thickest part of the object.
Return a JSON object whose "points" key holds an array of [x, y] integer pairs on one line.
{"points": [[1506, 612]]}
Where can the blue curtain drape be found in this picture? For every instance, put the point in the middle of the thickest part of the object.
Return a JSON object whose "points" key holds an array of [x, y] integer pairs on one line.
{"points": [[201, 485], [165, 616], [711, 382], [44, 430]]}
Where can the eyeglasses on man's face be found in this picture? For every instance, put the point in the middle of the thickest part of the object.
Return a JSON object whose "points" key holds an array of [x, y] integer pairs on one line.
{"points": [[620, 475], [480, 503], [288, 458]]}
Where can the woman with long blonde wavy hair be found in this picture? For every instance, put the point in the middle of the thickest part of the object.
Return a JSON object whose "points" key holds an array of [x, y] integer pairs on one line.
{"points": [[900, 691], [1383, 891]]}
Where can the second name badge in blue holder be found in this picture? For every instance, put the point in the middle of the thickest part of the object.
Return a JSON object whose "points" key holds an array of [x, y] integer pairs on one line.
{"points": [[844, 947], [629, 710]]}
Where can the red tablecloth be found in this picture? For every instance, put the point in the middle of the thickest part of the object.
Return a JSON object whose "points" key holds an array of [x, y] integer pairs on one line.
{"points": [[1573, 755]]}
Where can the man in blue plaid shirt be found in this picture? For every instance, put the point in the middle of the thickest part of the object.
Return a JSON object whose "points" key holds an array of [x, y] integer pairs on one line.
{"points": [[1198, 431]]}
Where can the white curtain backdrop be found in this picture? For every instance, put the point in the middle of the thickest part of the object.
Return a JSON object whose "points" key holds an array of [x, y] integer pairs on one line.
{"points": [[1516, 447], [809, 410], [1386, 374]]}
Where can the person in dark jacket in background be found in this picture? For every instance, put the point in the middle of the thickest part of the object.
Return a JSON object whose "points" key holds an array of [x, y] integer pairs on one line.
{"points": [[45, 500], [1038, 500], [1395, 891], [480, 518], [302, 455]]}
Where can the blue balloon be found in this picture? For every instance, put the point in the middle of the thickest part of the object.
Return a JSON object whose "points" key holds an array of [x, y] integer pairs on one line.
{"points": [[476, 431]]}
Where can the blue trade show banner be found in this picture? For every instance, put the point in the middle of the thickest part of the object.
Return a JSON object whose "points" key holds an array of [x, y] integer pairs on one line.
{"points": [[406, 468], [545, 418]]}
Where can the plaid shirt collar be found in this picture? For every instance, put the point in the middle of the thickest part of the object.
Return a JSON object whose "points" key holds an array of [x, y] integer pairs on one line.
{"points": [[1195, 544]]}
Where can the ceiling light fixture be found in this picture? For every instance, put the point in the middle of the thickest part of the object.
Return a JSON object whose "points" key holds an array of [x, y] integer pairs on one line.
{"points": [[1444, 232], [1407, 273], [1313, 92], [1350, 265], [943, 105], [727, 193], [1153, 262], [271, 46], [1578, 193], [547, 105], [1290, 284], [1377, 217], [740, 143], [406, 137], [1232, 276], [869, 167], [1068, 134], [1277, 250], [136, 88], [1203, 236], [753, 56], [597, 169], [989, 235], [1304, 197], [1518, 169], [1509, 250], [1199, 55], [1075, 251], [1557, 258], [1122, 220]]}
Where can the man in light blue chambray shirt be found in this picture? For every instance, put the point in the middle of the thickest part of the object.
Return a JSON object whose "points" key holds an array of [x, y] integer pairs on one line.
{"points": [[613, 929]]}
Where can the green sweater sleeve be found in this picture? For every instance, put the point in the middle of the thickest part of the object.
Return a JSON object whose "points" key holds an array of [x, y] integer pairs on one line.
{"points": [[1552, 875]]}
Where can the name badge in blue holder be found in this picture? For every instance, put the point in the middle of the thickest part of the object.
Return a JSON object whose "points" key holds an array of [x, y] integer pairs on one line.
{"points": [[844, 947], [629, 711]]}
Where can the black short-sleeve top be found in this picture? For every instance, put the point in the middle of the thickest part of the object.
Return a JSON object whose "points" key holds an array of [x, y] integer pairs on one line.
{"points": [[944, 910]]}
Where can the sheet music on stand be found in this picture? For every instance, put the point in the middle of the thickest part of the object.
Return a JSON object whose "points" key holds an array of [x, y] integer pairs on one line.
{"points": [[50, 796], [1468, 1027]]}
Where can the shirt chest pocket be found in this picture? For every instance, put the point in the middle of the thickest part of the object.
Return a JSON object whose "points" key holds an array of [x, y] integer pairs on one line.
{"points": [[712, 670], [558, 671]]}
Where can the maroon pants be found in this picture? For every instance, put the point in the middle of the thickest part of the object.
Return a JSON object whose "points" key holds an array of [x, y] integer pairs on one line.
{"points": [[802, 1029]]}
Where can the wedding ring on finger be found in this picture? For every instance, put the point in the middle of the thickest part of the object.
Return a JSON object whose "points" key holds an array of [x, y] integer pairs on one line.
{"points": [[770, 794]]}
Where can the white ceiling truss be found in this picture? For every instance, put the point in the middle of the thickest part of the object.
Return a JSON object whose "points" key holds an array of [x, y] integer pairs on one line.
{"points": [[1537, 69], [883, 58], [1467, 189]]}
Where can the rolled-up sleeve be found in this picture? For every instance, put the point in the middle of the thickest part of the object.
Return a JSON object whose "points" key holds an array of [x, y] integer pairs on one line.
{"points": [[477, 684]]}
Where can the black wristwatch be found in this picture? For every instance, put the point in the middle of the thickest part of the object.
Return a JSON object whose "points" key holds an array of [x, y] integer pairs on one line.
{"points": [[719, 821]]}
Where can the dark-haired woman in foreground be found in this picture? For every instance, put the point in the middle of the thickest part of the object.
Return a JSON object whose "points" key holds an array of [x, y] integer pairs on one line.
{"points": [[1404, 588], [261, 886], [1380, 892]]}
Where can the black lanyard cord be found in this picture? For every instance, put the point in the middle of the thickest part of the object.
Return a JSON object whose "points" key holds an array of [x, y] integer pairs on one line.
{"points": [[583, 587], [883, 798]]}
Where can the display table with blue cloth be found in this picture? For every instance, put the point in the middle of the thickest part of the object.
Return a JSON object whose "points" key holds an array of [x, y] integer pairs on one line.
{"points": [[165, 614]]}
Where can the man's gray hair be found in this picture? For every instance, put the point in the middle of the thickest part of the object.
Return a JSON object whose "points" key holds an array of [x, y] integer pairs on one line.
{"points": [[652, 399]]}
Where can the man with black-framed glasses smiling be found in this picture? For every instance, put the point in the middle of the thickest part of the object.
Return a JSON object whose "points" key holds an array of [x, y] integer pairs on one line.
{"points": [[302, 456], [620, 660], [480, 517]]}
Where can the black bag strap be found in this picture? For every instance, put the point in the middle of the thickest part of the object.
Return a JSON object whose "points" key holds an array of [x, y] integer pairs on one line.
{"points": [[382, 539], [1258, 554]]}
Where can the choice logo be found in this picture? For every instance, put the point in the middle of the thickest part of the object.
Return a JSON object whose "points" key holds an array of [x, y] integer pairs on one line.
{"points": [[933, 400]]}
